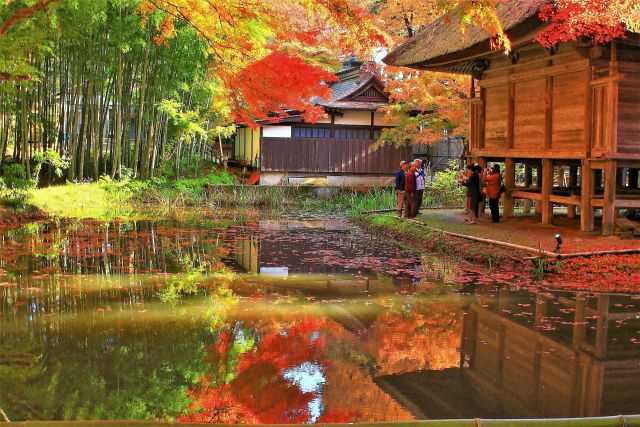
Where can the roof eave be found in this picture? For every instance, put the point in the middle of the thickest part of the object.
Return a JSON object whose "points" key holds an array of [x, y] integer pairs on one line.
{"points": [[522, 34]]}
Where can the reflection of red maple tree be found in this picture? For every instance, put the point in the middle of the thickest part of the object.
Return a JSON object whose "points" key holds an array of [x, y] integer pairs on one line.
{"points": [[417, 340], [259, 392]]}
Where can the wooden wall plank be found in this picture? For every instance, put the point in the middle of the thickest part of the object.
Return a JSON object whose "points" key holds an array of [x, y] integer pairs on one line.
{"points": [[529, 111]]}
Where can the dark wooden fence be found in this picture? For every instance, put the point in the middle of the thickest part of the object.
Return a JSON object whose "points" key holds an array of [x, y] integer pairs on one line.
{"points": [[326, 155]]}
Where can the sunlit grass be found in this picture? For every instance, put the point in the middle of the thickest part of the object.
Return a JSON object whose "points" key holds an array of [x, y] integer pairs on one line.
{"points": [[83, 201]]}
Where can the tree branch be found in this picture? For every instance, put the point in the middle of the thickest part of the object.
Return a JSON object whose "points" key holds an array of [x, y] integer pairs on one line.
{"points": [[23, 13]]}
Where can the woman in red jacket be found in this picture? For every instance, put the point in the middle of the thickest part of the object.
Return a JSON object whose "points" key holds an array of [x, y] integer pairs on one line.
{"points": [[493, 179], [409, 191]]}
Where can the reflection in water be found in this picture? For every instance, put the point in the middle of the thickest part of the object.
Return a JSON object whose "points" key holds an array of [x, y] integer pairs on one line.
{"points": [[320, 322], [535, 355]]}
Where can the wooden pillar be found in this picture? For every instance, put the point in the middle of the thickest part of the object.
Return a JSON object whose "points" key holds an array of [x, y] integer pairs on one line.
{"points": [[538, 185], [609, 211], [633, 178], [528, 176], [510, 183], [573, 183], [528, 183], [586, 210], [547, 189]]}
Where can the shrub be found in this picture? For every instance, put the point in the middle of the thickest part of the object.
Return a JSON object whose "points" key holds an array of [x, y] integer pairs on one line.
{"points": [[14, 190]]}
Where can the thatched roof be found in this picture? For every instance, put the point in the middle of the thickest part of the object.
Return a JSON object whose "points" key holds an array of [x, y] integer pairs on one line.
{"points": [[443, 37]]}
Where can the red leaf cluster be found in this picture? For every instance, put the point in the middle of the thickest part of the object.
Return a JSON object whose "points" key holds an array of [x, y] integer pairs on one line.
{"points": [[573, 21], [278, 83]]}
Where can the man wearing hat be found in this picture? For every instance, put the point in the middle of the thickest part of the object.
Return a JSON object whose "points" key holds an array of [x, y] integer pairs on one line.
{"points": [[400, 174]]}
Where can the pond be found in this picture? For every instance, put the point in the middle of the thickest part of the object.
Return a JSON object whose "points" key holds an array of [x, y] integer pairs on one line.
{"points": [[300, 320]]}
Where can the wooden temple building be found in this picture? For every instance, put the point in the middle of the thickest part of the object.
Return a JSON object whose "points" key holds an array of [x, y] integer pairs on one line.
{"points": [[573, 108], [333, 151]]}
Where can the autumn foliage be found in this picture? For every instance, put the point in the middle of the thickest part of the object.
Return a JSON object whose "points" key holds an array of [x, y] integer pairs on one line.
{"points": [[258, 87], [272, 56], [598, 22]]}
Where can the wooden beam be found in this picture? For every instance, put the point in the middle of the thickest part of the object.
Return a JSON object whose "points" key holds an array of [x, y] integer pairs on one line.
{"points": [[586, 209], [547, 189], [529, 195], [608, 210], [536, 72], [509, 182], [563, 200], [627, 204], [530, 154]]}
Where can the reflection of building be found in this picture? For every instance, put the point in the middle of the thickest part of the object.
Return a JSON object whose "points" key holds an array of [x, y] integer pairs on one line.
{"points": [[535, 355], [332, 259]]}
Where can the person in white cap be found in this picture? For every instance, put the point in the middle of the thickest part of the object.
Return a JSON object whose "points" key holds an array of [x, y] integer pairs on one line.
{"points": [[420, 186], [400, 174]]}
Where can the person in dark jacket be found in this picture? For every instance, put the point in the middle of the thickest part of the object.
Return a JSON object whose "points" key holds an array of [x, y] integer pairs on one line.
{"points": [[400, 174], [409, 192], [475, 194]]}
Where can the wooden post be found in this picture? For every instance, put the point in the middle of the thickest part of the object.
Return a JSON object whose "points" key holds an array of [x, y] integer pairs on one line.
{"points": [[586, 210], [573, 183], [509, 182], [547, 189], [528, 176], [609, 211], [538, 209]]}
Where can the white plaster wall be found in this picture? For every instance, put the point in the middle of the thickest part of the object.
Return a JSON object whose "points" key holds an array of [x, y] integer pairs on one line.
{"points": [[276, 132], [381, 119], [359, 118], [272, 178], [324, 120]]}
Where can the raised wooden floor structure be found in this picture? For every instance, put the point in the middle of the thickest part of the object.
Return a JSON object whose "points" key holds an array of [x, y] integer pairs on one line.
{"points": [[572, 108]]}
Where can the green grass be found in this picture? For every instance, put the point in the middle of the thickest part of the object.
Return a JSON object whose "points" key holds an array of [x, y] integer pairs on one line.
{"points": [[86, 200]]}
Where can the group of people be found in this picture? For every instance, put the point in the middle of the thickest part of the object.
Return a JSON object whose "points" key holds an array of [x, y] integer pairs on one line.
{"points": [[473, 178], [483, 185], [410, 184]]}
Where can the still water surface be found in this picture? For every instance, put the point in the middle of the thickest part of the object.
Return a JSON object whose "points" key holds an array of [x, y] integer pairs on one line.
{"points": [[299, 321]]}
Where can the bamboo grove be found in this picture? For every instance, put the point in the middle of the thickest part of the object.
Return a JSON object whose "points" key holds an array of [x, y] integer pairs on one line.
{"points": [[109, 96]]}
